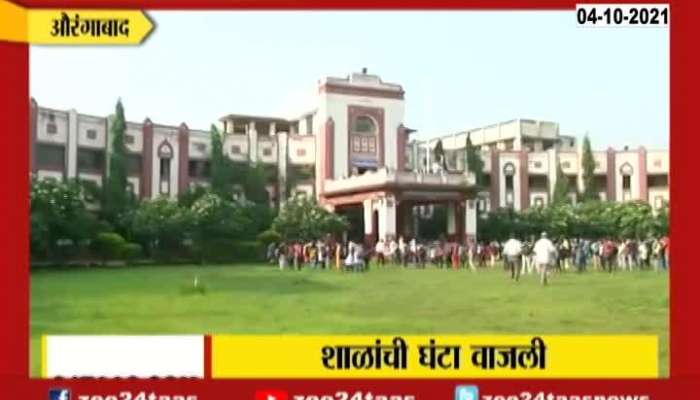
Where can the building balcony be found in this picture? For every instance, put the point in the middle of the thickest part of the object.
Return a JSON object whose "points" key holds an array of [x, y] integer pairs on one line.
{"points": [[386, 179]]}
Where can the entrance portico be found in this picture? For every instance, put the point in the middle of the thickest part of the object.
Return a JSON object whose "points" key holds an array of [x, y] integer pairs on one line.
{"points": [[388, 199], [363, 162]]}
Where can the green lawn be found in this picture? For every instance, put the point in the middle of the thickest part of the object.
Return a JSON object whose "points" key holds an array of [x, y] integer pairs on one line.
{"points": [[261, 299]]}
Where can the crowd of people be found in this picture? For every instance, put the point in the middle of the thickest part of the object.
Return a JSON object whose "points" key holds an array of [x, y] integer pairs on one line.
{"points": [[520, 257]]}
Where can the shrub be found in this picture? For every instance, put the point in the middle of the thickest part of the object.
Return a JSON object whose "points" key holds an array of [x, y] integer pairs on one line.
{"points": [[130, 251], [109, 245], [269, 236]]}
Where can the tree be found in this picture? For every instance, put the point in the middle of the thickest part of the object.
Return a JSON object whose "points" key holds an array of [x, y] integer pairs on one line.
{"points": [[473, 161], [590, 191], [561, 187], [116, 198], [254, 184], [59, 219], [301, 218], [221, 166], [160, 225]]}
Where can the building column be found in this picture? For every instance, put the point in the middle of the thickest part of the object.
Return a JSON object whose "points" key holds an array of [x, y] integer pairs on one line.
{"points": [[495, 180], [611, 175], [183, 145], [368, 213], [401, 138], [328, 143], [147, 161], [470, 220], [387, 218], [524, 180], [252, 143], [72, 145], [282, 146], [643, 189]]}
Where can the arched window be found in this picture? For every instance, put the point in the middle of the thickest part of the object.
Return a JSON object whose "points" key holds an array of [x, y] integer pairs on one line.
{"points": [[363, 142], [165, 153], [364, 125]]}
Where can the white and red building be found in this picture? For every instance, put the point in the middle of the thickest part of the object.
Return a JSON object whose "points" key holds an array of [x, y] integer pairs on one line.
{"points": [[352, 150]]}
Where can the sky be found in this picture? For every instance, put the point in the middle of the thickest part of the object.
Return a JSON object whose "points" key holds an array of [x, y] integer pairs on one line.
{"points": [[460, 70]]}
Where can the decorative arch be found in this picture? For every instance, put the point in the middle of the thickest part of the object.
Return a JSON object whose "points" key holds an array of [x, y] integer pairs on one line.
{"points": [[365, 137], [165, 150], [509, 169], [626, 169]]}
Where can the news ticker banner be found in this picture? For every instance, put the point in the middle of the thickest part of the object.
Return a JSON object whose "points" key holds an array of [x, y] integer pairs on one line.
{"points": [[356, 356], [72, 26]]}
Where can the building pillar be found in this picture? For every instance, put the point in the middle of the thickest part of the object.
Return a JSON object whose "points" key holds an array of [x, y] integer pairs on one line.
{"points": [[183, 146], [368, 213], [387, 218], [72, 145], [147, 160], [252, 143], [553, 164], [401, 137], [524, 180], [328, 149], [282, 148], [643, 189], [273, 129], [611, 175], [470, 220], [495, 180]]}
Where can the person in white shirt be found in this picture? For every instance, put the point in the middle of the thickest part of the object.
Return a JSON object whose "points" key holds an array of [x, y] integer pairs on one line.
{"points": [[379, 252], [545, 253], [512, 251]]}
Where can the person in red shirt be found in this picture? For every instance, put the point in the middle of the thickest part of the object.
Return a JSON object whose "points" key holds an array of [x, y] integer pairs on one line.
{"points": [[609, 249]]}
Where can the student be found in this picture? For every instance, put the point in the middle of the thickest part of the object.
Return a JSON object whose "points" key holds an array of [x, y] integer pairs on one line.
{"points": [[379, 252], [545, 253], [512, 251]]}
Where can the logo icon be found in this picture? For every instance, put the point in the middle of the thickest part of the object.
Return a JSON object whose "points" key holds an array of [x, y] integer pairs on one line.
{"points": [[467, 392], [271, 395], [59, 394]]}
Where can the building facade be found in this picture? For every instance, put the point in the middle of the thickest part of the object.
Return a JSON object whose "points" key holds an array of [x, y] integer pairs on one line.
{"points": [[352, 150]]}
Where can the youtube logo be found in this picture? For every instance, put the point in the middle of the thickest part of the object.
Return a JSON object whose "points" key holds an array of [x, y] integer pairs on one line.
{"points": [[271, 395]]}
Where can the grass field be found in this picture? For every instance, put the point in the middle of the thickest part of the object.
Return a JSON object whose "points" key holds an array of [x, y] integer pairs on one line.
{"points": [[261, 299]]}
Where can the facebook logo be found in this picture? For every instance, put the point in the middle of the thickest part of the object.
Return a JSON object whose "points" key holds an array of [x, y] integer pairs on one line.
{"points": [[467, 392], [59, 394]]}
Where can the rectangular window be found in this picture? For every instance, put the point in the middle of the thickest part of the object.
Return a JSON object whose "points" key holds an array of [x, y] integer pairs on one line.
{"points": [[198, 168], [267, 151], [91, 160], [129, 139], [235, 149], [301, 152], [50, 157], [133, 164], [91, 134], [51, 128]]}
